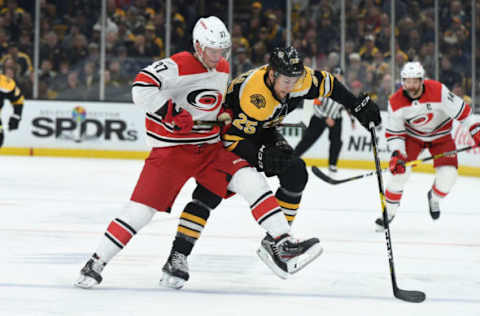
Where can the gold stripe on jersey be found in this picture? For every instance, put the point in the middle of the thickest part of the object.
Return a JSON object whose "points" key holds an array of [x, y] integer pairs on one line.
{"points": [[256, 99]]}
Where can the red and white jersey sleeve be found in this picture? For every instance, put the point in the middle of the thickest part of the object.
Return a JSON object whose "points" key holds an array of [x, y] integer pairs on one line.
{"points": [[191, 86], [428, 118]]}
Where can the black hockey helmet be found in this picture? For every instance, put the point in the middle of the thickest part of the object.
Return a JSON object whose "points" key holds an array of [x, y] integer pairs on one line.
{"points": [[287, 61]]}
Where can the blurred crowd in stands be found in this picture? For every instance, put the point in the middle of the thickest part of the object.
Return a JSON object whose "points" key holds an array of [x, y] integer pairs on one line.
{"points": [[135, 34]]}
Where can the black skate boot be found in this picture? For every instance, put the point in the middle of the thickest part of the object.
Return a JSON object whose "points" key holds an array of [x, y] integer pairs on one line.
{"points": [[286, 255], [434, 206], [90, 275], [175, 271]]}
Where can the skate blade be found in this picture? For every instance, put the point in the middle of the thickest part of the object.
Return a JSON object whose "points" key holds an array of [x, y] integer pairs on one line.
{"points": [[85, 282], [171, 281], [303, 260], [265, 257]]}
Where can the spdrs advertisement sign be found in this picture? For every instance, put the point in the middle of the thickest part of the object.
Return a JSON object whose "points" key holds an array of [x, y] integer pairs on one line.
{"points": [[80, 125]]}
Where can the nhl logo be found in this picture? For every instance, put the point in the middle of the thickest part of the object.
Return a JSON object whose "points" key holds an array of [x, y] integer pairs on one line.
{"points": [[258, 100]]}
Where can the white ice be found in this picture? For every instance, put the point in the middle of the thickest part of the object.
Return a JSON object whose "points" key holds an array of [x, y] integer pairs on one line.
{"points": [[54, 211]]}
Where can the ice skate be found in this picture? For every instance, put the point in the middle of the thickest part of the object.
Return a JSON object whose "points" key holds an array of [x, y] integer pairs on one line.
{"points": [[175, 271], [379, 227], [90, 275], [286, 255], [434, 206]]}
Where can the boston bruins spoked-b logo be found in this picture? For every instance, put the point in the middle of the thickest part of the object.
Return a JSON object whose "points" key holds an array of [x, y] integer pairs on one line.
{"points": [[258, 100], [205, 99]]}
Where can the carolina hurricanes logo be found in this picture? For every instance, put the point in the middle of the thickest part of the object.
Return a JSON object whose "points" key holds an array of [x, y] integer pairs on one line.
{"points": [[205, 99], [420, 120]]}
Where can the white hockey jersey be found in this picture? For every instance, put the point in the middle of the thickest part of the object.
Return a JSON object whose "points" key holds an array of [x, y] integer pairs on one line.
{"points": [[428, 118], [192, 87]]}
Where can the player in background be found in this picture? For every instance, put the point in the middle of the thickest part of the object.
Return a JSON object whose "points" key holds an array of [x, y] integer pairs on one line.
{"points": [[421, 114], [176, 92], [326, 113], [10, 91], [260, 99]]}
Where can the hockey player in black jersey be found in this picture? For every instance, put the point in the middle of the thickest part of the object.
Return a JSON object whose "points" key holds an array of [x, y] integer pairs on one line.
{"points": [[10, 91], [261, 98]]}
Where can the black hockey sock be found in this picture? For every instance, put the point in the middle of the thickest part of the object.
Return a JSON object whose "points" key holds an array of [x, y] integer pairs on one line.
{"points": [[290, 202], [192, 221]]}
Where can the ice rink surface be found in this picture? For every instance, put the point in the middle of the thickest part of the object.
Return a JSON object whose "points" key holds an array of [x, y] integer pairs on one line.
{"points": [[54, 211]]}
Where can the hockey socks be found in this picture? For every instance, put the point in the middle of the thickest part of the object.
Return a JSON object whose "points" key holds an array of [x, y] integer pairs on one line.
{"points": [[290, 202]]}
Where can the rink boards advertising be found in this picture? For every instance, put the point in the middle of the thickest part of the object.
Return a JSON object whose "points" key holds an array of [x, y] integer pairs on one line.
{"points": [[117, 130]]}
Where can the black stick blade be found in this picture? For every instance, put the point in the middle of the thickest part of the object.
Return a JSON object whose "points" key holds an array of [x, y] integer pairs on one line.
{"points": [[316, 171], [409, 296]]}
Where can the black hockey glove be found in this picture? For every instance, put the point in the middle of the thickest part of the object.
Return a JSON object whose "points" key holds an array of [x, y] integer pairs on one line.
{"points": [[366, 111], [274, 160], [13, 122], [1, 136]]}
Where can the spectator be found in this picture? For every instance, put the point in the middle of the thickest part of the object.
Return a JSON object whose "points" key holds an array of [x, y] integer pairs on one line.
{"points": [[74, 90], [368, 50], [448, 76], [242, 63], [51, 49], [22, 59], [79, 50]]}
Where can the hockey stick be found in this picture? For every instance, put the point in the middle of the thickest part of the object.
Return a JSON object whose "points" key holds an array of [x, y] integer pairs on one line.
{"points": [[221, 123], [319, 173], [405, 295]]}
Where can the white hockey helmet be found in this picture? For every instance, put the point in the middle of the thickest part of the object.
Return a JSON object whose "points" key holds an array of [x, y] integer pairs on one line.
{"points": [[211, 32], [412, 69]]}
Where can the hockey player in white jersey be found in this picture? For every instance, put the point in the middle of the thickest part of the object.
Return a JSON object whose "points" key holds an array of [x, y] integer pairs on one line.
{"points": [[176, 93], [421, 114]]}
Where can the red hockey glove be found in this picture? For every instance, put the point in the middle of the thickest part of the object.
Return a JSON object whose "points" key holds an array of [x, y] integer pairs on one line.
{"points": [[397, 163], [182, 119], [475, 132], [225, 115]]}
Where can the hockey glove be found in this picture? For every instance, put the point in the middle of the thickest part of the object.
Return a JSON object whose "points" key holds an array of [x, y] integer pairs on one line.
{"points": [[225, 116], [366, 111], [475, 132], [182, 120], [274, 160], [1, 136], [13, 122], [397, 163]]}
